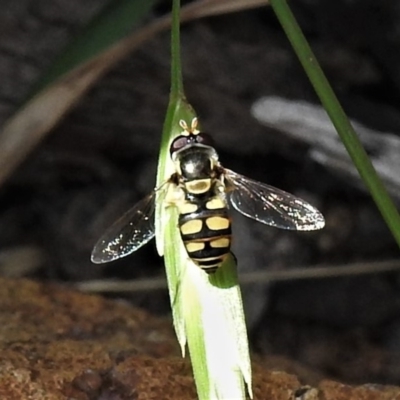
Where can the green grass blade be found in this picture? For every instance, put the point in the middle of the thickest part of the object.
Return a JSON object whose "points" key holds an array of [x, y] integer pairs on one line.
{"points": [[338, 117], [168, 241], [176, 65], [207, 311], [216, 330], [113, 23]]}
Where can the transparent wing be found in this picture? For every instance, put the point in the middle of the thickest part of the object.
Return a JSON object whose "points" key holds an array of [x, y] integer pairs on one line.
{"points": [[130, 232], [271, 206]]}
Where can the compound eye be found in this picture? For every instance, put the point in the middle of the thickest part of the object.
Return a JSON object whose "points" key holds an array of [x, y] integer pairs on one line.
{"points": [[178, 143], [204, 138]]}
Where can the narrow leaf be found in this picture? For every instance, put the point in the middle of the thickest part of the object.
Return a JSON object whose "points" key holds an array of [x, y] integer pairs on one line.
{"points": [[338, 117], [207, 311], [112, 24]]}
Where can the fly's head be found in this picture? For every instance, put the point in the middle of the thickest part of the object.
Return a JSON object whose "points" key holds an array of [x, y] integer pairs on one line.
{"points": [[193, 152]]}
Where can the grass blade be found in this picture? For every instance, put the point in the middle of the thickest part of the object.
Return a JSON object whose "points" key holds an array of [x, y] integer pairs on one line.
{"points": [[338, 117], [207, 311], [112, 24]]}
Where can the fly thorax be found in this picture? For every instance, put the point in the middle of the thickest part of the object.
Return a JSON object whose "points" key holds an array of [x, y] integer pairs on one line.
{"points": [[196, 167], [195, 163], [198, 186]]}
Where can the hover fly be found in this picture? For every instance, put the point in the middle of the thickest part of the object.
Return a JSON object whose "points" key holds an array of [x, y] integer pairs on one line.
{"points": [[202, 190]]}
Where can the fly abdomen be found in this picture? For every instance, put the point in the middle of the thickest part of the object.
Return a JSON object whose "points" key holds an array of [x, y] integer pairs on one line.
{"points": [[198, 227], [206, 232]]}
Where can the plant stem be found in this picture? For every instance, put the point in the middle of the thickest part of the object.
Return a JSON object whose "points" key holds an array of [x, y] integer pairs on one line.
{"points": [[338, 117], [176, 68]]}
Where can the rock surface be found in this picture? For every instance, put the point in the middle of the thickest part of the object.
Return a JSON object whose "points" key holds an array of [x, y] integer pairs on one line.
{"points": [[60, 344]]}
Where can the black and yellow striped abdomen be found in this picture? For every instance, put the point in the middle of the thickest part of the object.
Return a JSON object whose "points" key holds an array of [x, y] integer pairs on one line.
{"points": [[205, 229]]}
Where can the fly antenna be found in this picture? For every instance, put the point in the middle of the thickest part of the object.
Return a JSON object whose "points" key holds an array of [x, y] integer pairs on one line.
{"points": [[184, 125], [193, 128]]}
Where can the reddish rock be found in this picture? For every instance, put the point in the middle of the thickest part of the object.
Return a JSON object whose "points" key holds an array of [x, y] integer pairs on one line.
{"points": [[58, 344]]}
